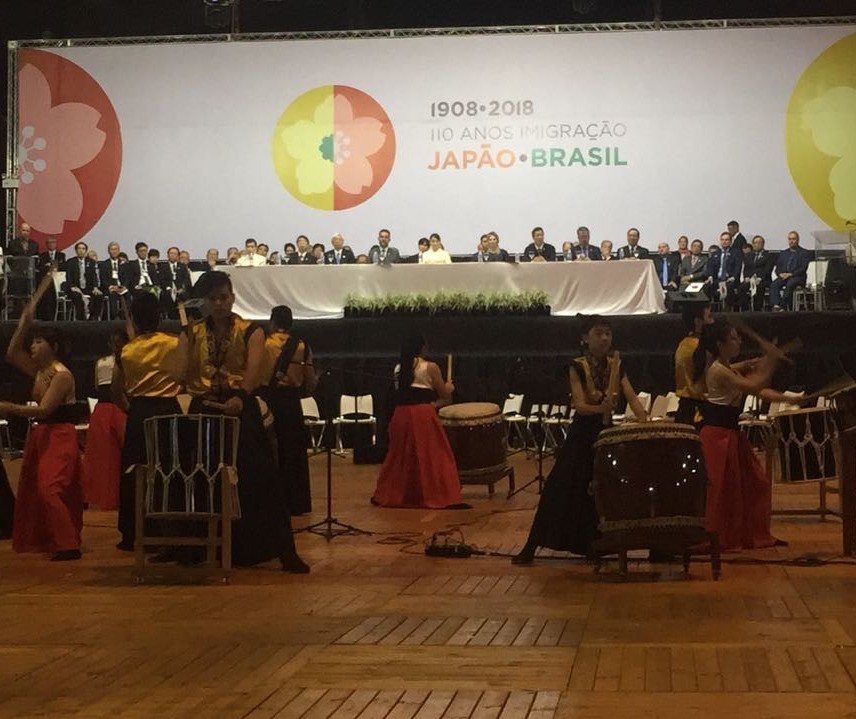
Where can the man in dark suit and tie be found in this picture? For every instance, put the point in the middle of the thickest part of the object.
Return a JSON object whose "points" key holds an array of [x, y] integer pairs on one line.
{"points": [[667, 265], [738, 241], [303, 254], [694, 265], [538, 250], [584, 250], [111, 278], [136, 274], [791, 272], [724, 271], [340, 254], [382, 253], [49, 259], [757, 274], [633, 250], [81, 276], [175, 282]]}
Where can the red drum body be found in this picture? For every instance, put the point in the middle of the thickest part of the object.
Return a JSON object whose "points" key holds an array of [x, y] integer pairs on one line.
{"points": [[477, 437], [649, 476], [805, 439]]}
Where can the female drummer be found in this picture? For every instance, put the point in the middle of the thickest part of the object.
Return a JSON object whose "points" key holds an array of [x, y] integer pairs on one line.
{"points": [[566, 518], [226, 357], [739, 496], [419, 469], [690, 390], [146, 381], [49, 507], [288, 370], [102, 459]]}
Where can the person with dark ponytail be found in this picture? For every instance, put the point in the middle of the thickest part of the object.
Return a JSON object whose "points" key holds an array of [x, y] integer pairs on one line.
{"points": [[689, 388], [420, 469], [566, 518], [49, 507], [739, 495]]}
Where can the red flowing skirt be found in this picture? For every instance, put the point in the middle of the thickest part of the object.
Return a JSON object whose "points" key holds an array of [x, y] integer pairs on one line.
{"points": [[49, 506], [420, 469], [739, 495], [102, 460]]}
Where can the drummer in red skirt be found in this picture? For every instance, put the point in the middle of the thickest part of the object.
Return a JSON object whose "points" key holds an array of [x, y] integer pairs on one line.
{"points": [[49, 507], [420, 469], [739, 494]]}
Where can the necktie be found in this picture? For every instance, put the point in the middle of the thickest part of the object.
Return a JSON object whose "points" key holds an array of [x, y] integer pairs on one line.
{"points": [[722, 263], [83, 274], [665, 279], [694, 261], [144, 272], [337, 257]]}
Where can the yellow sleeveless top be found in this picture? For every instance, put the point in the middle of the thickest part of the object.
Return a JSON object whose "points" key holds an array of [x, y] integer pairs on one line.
{"points": [[215, 367], [150, 365]]}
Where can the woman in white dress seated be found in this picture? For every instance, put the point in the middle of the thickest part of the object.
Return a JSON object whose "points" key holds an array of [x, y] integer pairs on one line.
{"points": [[436, 255]]}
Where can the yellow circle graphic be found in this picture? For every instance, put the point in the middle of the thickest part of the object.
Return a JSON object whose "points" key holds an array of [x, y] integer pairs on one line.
{"points": [[821, 134]]}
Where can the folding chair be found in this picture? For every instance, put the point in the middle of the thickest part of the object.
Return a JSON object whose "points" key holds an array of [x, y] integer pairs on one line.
{"points": [[312, 420], [514, 421], [355, 410]]}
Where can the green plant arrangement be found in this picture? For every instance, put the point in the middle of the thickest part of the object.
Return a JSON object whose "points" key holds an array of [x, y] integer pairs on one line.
{"points": [[529, 302]]}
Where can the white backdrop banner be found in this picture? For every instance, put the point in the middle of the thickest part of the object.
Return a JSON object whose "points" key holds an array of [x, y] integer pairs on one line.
{"points": [[676, 133]]}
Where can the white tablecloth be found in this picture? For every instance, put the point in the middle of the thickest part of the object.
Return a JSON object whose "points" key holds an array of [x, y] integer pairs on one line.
{"points": [[628, 287]]}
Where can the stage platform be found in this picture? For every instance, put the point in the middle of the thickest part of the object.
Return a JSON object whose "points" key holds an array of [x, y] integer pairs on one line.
{"points": [[497, 355]]}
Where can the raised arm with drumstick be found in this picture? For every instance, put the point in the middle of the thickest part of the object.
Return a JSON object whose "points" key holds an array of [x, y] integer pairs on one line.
{"points": [[739, 495], [49, 511]]}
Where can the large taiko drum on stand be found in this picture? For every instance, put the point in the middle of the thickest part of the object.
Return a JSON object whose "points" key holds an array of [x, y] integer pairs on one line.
{"points": [[844, 410], [650, 488], [477, 437]]}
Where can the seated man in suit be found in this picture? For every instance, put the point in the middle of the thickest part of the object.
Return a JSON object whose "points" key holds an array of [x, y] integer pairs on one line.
{"points": [[538, 250], [81, 276], [667, 264], [791, 271], [693, 267], [606, 251], [136, 274], [481, 250], [111, 273], [303, 254], [584, 250], [724, 271], [757, 275], [340, 254], [633, 250], [382, 253], [49, 259], [175, 283]]}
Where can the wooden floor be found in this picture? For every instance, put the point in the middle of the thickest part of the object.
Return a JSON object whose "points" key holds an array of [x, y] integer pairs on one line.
{"points": [[380, 630]]}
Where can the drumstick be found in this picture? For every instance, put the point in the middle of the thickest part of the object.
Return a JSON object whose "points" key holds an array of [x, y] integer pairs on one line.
{"points": [[612, 387], [46, 282], [765, 344], [129, 324], [448, 367]]}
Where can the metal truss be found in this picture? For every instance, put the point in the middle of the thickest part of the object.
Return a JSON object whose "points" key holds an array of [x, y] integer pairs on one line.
{"points": [[651, 25]]}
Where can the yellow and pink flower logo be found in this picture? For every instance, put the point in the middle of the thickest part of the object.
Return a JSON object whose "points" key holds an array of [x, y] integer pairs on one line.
{"points": [[333, 147]]}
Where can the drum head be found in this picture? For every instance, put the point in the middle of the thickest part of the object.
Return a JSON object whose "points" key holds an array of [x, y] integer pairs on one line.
{"points": [[646, 431], [469, 410]]}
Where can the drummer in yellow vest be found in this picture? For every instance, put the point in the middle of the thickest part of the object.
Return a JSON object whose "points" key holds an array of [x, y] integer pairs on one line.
{"points": [[691, 392]]}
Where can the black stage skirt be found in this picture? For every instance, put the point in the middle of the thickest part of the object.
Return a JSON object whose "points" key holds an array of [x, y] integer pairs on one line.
{"points": [[134, 452], [566, 518], [292, 440], [687, 409], [264, 530], [7, 504]]}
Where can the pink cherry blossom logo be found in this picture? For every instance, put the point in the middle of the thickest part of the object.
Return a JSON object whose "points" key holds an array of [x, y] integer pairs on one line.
{"points": [[69, 148]]}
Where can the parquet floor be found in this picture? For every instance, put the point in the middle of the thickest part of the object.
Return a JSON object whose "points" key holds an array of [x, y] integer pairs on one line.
{"points": [[380, 630]]}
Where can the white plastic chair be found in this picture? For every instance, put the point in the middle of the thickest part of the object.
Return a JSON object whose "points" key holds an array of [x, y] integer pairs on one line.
{"points": [[659, 407], [355, 410], [64, 305], [673, 403], [514, 420], [312, 420]]}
